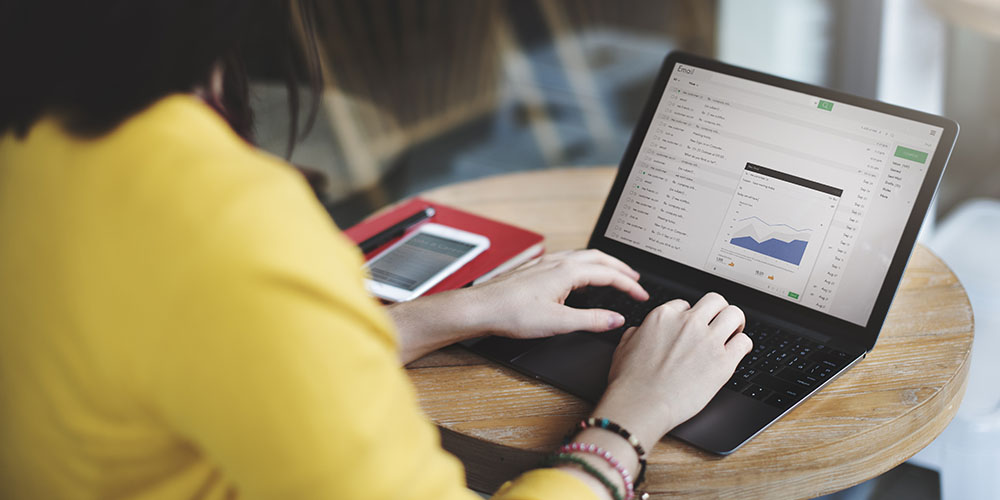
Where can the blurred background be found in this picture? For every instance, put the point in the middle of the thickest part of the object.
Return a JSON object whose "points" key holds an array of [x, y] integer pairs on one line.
{"points": [[425, 93], [420, 94]]}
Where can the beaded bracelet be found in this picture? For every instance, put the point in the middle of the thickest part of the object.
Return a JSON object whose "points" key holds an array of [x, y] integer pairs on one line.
{"points": [[564, 458], [603, 423], [607, 457]]}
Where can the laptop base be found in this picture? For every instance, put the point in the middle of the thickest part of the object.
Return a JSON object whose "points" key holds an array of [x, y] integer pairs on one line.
{"points": [[579, 362]]}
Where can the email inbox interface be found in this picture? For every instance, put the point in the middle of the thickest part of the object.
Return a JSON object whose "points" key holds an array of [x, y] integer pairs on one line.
{"points": [[788, 193]]}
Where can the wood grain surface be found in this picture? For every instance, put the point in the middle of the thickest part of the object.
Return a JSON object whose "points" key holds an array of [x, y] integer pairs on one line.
{"points": [[878, 414]]}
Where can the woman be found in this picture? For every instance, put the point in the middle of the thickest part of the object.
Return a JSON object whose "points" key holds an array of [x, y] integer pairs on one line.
{"points": [[180, 319]]}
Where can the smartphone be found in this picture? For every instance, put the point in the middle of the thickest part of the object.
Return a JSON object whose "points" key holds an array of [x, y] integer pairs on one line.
{"points": [[421, 260]]}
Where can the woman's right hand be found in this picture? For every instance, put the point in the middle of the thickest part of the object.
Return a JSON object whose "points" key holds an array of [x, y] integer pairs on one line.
{"points": [[667, 370]]}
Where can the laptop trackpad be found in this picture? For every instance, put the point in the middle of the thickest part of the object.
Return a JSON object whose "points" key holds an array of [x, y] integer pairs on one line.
{"points": [[576, 362], [729, 421]]}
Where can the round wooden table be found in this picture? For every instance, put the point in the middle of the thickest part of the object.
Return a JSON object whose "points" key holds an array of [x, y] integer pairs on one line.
{"points": [[874, 417]]}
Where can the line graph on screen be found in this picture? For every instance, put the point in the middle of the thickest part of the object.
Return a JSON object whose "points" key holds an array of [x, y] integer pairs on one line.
{"points": [[777, 240]]}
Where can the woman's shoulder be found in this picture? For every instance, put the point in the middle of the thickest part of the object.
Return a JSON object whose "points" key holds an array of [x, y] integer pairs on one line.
{"points": [[175, 181], [179, 163], [209, 178], [182, 138], [234, 210]]}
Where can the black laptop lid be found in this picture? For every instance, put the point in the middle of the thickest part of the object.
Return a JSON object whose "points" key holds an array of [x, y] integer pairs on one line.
{"points": [[785, 197]]}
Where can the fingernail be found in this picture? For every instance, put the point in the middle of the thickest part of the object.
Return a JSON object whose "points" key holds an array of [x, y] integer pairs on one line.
{"points": [[616, 320]]}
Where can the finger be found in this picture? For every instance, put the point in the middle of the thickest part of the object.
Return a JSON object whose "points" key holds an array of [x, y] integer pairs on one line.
{"points": [[594, 256], [679, 305], [738, 347], [708, 307], [598, 275], [628, 335], [567, 319], [667, 311], [727, 322]]}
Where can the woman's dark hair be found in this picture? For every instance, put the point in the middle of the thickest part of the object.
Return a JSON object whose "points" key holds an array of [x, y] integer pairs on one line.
{"points": [[94, 63]]}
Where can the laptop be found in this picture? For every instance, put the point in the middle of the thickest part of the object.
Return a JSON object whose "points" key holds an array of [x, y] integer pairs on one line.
{"points": [[799, 204]]}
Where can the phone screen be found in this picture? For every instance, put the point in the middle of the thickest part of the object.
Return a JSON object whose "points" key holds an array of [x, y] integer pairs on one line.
{"points": [[417, 260]]}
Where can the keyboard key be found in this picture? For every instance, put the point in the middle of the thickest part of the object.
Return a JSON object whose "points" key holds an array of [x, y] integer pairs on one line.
{"points": [[798, 378], [780, 401], [778, 385], [736, 384], [757, 392], [831, 358]]}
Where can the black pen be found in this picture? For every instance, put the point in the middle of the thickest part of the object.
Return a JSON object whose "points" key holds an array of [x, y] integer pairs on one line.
{"points": [[396, 230]]}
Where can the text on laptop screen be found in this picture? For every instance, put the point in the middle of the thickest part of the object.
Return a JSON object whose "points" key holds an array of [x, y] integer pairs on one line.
{"points": [[788, 193]]}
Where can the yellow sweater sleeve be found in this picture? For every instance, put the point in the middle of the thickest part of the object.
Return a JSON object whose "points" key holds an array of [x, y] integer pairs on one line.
{"points": [[282, 368], [542, 484], [189, 321]]}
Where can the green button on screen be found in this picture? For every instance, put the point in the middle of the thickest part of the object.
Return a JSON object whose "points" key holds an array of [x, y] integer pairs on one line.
{"points": [[825, 105], [793, 295], [911, 154]]}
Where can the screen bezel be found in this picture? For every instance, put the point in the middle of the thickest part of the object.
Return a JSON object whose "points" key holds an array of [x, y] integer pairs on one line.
{"points": [[745, 296]]}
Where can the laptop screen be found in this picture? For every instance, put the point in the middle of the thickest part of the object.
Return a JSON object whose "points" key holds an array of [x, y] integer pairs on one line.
{"points": [[793, 195]]}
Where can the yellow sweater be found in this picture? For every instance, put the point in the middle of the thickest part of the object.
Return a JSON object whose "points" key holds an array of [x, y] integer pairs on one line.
{"points": [[180, 319]]}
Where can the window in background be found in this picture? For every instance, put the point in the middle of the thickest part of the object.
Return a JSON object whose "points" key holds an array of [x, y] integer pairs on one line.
{"points": [[972, 98], [422, 94]]}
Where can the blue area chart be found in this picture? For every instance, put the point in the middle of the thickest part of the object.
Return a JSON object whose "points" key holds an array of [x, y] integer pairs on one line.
{"points": [[788, 251], [781, 241]]}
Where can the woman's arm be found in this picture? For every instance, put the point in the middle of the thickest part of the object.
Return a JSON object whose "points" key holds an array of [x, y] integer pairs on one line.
{"points": [[527, 302], [429, 323], [663, 372]]}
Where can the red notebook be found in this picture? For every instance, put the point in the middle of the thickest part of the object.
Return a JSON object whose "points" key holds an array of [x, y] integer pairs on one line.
{"points": [[510, 246]]}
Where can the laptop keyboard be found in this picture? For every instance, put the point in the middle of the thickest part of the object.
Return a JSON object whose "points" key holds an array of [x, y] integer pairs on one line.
{"points": [[781, 369]]}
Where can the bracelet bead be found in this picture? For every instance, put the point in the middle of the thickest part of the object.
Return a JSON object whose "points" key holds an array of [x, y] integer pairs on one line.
{"points": [[565, 458], [603, 423], [606, 424], [609, 458]]}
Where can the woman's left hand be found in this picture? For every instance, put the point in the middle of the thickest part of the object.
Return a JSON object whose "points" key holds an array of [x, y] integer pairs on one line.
{"points": [[529, 302]]}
